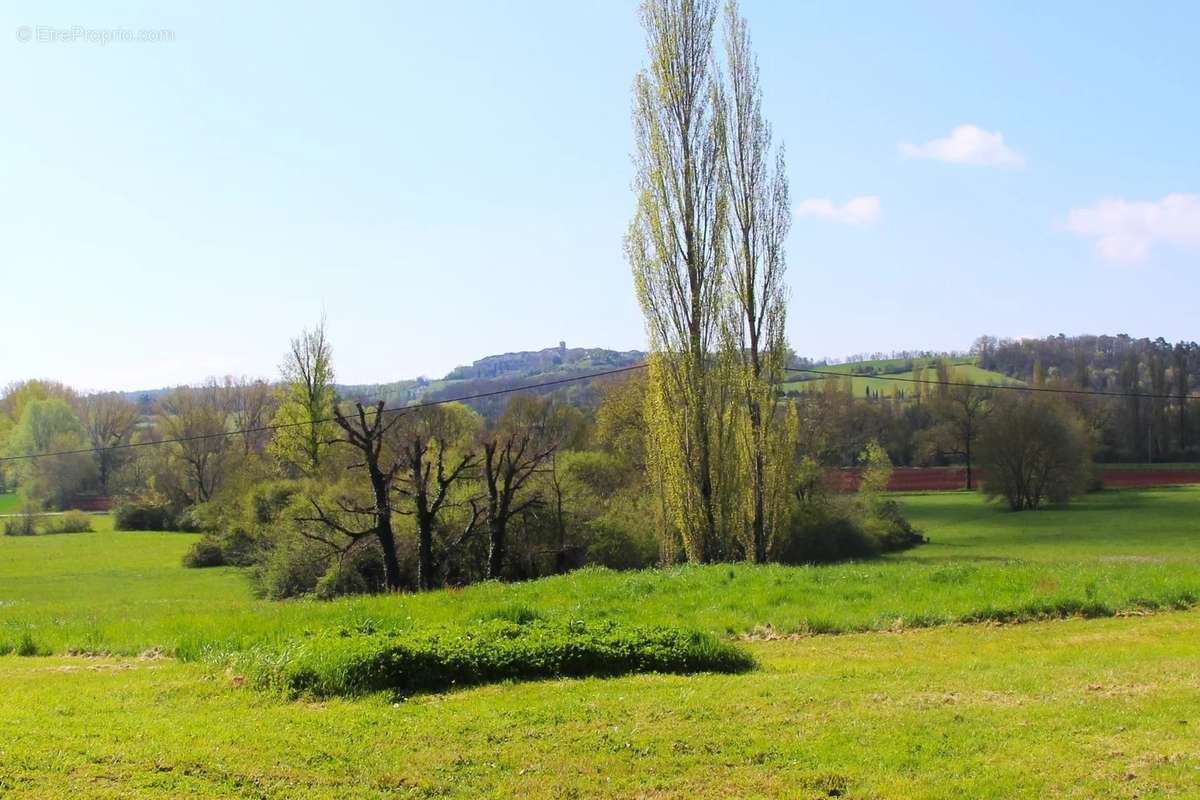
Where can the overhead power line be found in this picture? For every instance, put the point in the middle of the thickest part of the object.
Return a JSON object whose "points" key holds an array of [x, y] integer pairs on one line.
{"points": [[283, 425], [559, 382], [1009, 386]]}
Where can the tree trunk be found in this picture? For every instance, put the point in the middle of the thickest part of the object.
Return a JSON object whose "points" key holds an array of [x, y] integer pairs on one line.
{"points": [[425, 578], [383, 525], [497, 541], [391, 565], [970, 485]]}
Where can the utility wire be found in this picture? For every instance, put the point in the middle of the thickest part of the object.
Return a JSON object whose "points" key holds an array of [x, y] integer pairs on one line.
{"points": [[989, 386], [560, 382], [282, 425]]}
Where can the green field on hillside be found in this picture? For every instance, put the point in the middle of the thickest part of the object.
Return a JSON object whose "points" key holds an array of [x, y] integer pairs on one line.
{"points": [[1062, 708], [963, 369]]}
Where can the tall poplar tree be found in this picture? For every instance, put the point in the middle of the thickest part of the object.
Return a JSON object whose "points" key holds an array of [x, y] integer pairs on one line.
{"points": [[676, 248], [758, 223]]}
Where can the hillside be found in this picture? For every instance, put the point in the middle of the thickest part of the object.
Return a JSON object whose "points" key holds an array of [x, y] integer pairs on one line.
{"points": [[504, 371], [885, 376]]}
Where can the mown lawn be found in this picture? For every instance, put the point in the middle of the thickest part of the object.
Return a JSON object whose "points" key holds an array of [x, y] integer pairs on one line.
{"points": [[125, 593], [1065, 708], [1078, 708]]}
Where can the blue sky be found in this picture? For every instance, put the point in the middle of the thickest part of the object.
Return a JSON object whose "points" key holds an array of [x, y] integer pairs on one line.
{"points": [[448, 181]]}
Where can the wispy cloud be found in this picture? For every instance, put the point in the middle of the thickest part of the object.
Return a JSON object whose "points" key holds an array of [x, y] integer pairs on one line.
{"points": [[1126, 230], [856, 211], [966, 144]]}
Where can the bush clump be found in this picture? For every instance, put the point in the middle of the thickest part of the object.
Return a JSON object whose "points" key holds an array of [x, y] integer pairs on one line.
{"points": [[144, 516], [823, 529], [348, 662], [24, 525], [67, 522], [29, 523], [206, 552]]}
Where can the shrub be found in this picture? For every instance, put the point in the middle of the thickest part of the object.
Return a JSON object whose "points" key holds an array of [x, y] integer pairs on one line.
{"points": [[891, 529], [822, 534], [206, 552], [144, 516], [24, 525], [27, 646], [613, 545], [827, 531], [353, 662], [67, 522], [267, 501], [292, 568], [238, 548], [200, 518], [360, 571]]}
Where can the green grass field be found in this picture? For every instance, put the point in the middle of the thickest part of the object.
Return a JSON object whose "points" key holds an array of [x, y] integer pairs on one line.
{"points": [[9, 503], [125, 593], [1063, 708]]}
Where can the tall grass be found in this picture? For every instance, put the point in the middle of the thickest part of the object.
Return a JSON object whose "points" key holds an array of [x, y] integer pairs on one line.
{"points": [[125, 593]]}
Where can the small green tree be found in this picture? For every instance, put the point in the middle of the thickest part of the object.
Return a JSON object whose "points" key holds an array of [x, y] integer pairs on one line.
{"points": [[1034, 450], [876, 473], [306, 399], [46, 427]]}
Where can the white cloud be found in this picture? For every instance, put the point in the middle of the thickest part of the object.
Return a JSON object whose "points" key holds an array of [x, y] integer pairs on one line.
{"points": [[1125, 231], [857, 211], [967, 144]]}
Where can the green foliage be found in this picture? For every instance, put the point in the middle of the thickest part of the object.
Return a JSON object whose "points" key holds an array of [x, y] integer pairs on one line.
{"points": [[876, 472], [348, 662], [27, 646], [205, 552], [306, 398], [359, 571], [1034, 450], [616, 546], [291, 568], [144, 515], [823, 534], [50, 426], [824, 528], [31, 523], [887, 523], [67, 522], [23, 525]]}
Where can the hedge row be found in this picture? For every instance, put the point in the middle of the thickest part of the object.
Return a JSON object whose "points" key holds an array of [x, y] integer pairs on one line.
{"points": [[348, 662]]}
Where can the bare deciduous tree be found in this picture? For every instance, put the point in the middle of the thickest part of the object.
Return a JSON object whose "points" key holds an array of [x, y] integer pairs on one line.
{"points": [[512, 455], [198, 418], [110, 420], [434, 461], [251, 406], [366, 432], [963, 408]]}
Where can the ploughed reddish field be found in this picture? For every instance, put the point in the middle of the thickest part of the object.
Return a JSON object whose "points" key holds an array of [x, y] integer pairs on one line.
{"points": [[924, 479]]}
